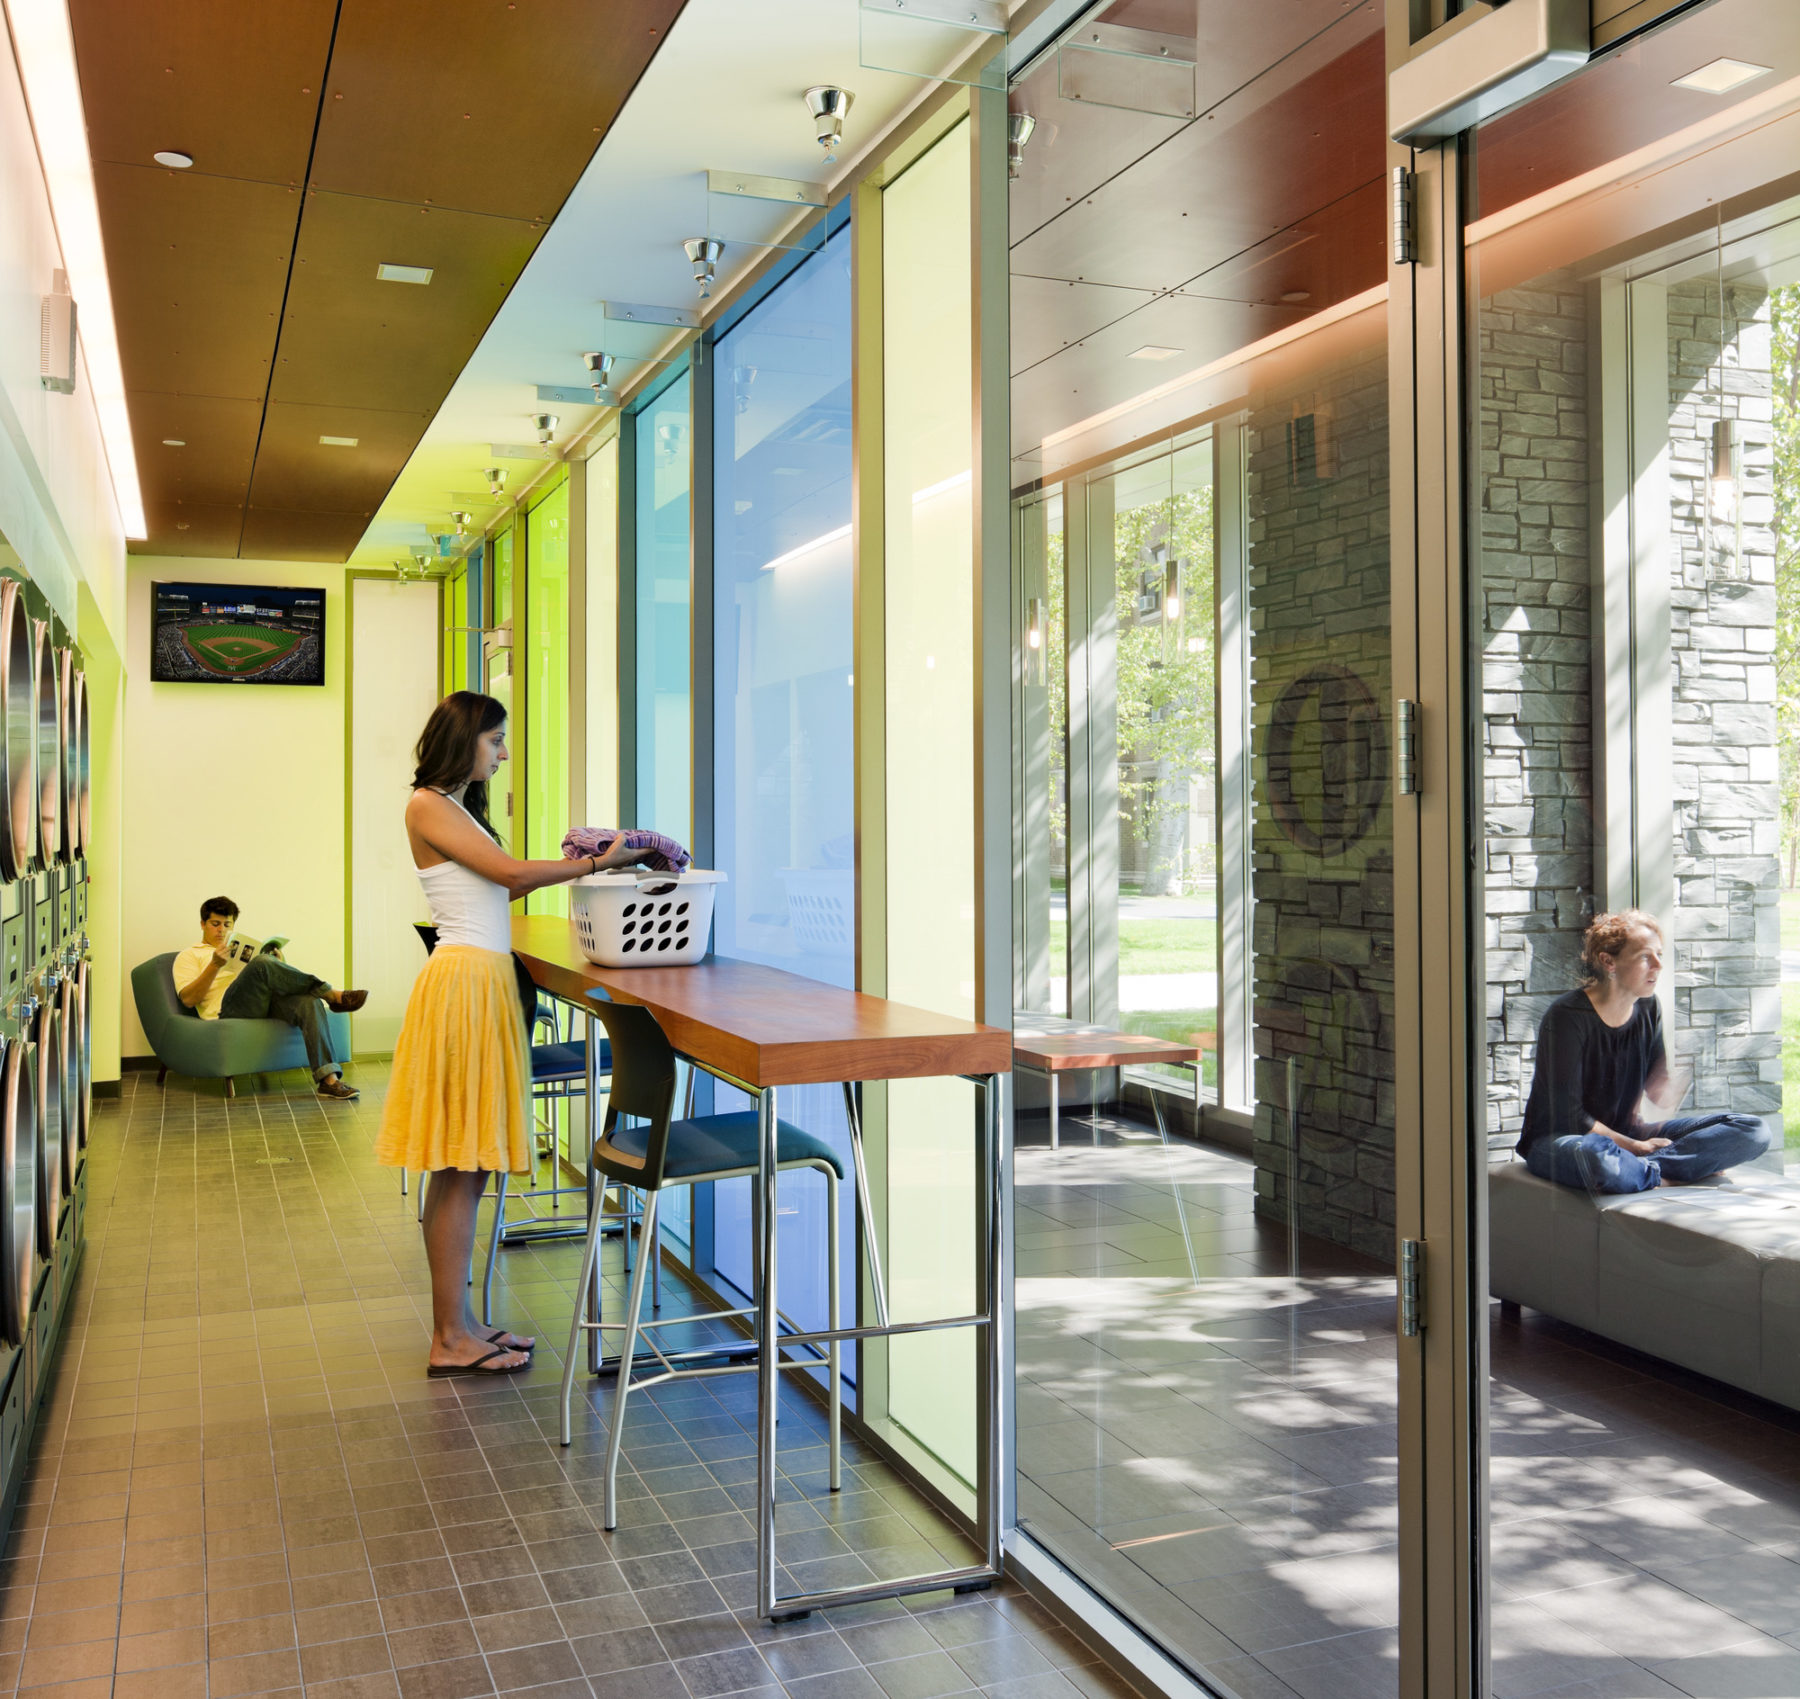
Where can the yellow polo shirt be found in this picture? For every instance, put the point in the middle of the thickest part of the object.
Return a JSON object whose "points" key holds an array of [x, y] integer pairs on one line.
{"points": [[189, 966]]}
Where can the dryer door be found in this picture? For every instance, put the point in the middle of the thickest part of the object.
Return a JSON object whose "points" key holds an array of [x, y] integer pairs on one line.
{"points": [[18, 1187], [81, 1057], [18, 737], [50, 1126], [69, 1011]]}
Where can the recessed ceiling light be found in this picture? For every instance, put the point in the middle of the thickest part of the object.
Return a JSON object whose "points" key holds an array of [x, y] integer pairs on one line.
{"points": [[1153, 351], [403, 273], [174, 442], [174, 159], [1294, 297], [1722, 76], [786, 471], [337, 442]]}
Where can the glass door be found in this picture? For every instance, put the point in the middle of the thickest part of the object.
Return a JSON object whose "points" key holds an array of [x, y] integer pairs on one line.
{"points": [[1208, 1376], [1633, 351]]}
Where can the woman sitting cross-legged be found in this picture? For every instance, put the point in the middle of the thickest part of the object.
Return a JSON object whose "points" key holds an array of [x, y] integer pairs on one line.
{"points": [[1599, 1053]]}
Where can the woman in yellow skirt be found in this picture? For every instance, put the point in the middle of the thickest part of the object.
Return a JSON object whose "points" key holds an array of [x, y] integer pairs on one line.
{"points": [[459, 1100]]}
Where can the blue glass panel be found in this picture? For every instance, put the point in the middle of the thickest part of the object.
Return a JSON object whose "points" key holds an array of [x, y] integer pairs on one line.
{"points": [[784, 779], [664, 745]]}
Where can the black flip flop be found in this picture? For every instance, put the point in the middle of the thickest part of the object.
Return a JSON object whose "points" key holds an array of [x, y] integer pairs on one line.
{"points": [[495, 1338], [444, 1371]]}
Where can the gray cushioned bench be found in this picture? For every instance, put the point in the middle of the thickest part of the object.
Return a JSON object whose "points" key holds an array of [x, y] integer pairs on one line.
{"points": [[1707, 1276]]}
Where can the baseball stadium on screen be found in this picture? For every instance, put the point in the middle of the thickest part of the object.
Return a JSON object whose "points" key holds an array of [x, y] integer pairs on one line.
{"points": [[236, 634]]}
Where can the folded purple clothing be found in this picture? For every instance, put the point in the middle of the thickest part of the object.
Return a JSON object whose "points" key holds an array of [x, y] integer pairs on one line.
{"points": [[662, 854]]}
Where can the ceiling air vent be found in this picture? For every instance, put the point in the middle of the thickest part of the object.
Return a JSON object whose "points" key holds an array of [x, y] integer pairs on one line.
{"points": [[56, 360]]}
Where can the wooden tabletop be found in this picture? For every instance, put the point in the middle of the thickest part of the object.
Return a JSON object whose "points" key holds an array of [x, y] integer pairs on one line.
{"points": [[1066, 1052], [764, 1026]]}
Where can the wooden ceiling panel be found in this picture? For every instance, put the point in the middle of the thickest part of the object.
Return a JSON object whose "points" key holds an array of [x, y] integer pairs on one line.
{"points": [[328, 137], [274, 533], [236, 86], [218, 438], [198, 267], [493, 108], [295, 471], [351, 340], [192, 528]]}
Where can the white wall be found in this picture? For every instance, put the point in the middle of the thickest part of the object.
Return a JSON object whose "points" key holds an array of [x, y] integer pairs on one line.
{"points": [[59, 520], [394, 656], [234, 790]]}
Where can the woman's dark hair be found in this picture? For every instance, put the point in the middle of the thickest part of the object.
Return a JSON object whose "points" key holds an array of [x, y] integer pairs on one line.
{"points": [[218, 905], [447, 748]]}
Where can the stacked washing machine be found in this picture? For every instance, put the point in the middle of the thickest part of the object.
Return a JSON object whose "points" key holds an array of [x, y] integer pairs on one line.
{"points": [[46, 1027]]}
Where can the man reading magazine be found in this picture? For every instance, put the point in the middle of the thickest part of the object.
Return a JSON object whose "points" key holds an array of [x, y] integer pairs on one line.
{"points": [[234, 977]]}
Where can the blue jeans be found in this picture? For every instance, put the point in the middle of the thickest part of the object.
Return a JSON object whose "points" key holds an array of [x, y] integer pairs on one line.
{"points": [[269, 988], [1703, 1144]]}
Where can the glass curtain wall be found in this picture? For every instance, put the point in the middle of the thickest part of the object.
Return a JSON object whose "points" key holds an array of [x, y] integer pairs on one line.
{"points": [[454, 668], [499, 665], [930, 781], [1206, 1366], [547, 677], [663, 590], [1635, 574], [602, 636], [784, 777], [1041, 911]]}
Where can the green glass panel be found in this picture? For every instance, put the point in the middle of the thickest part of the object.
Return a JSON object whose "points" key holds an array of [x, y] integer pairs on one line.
{"points": [[547, 680]]}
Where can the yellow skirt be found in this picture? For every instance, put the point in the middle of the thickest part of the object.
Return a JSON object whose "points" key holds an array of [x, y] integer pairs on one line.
{"points": [[460, 1092]]}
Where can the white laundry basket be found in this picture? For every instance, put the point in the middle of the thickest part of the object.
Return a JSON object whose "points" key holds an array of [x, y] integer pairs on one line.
{"points": [[633, 919]]}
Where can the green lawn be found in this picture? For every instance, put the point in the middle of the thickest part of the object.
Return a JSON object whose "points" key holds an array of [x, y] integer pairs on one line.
{"points": [[1180, 1025], [1154, 946]]}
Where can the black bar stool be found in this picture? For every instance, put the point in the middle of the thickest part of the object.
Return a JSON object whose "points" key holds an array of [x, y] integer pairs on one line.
{"points": [[650, 1154]]}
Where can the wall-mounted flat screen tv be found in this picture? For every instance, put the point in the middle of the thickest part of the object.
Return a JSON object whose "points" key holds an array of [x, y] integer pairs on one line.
{"points": [[236, 634]]}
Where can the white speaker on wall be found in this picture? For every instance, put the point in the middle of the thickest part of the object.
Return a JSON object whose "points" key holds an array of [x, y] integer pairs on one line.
{"points": [[57, 352]]}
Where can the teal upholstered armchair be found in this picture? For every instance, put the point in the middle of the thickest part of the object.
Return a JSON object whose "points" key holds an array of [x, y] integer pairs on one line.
{"points": [[221, 1049]]}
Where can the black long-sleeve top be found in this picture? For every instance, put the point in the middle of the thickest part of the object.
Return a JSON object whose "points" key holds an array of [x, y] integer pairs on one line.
{"points": [[1588, 1071]]}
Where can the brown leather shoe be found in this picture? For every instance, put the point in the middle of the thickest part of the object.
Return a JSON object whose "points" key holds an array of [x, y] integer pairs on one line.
{"points": [[346, 1001], [333, 1086]]}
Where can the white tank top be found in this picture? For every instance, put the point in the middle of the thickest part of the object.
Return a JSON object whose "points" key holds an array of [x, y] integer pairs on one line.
{"points": [[466, 908]]}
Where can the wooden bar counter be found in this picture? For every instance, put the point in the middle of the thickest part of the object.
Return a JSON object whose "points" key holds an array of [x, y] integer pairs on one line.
{"points": [[766, 1027], [763, 1029]]}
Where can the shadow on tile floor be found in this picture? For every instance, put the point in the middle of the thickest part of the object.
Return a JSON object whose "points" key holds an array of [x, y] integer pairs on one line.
{"points": [[1206, 1412], [244, 1483]]}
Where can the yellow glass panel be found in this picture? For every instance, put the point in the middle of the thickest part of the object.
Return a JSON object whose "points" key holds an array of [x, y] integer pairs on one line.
{"points": [[931, 779]]}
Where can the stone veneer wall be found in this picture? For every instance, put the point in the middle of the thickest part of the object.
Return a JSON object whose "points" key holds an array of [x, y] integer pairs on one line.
{"points": [[1537, 576], [1727, 835], [1322, 835], [1538, 792]]}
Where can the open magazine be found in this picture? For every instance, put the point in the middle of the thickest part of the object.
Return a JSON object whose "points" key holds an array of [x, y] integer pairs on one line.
{"points": [[242, 949]]}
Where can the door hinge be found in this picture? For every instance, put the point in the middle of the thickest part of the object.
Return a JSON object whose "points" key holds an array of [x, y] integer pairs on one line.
{"points": [[1402, 206], [1412, 1288], [1406, 745]]}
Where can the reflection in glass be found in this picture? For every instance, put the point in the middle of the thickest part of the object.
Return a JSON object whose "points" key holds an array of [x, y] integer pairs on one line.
{"points": [[783, 731], [1206, 1359], [1636, 353], [1041, 930]]}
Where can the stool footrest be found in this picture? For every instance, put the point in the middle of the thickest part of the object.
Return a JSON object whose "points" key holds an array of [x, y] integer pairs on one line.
{"points": [[842, 1335], [801, 1604]]}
